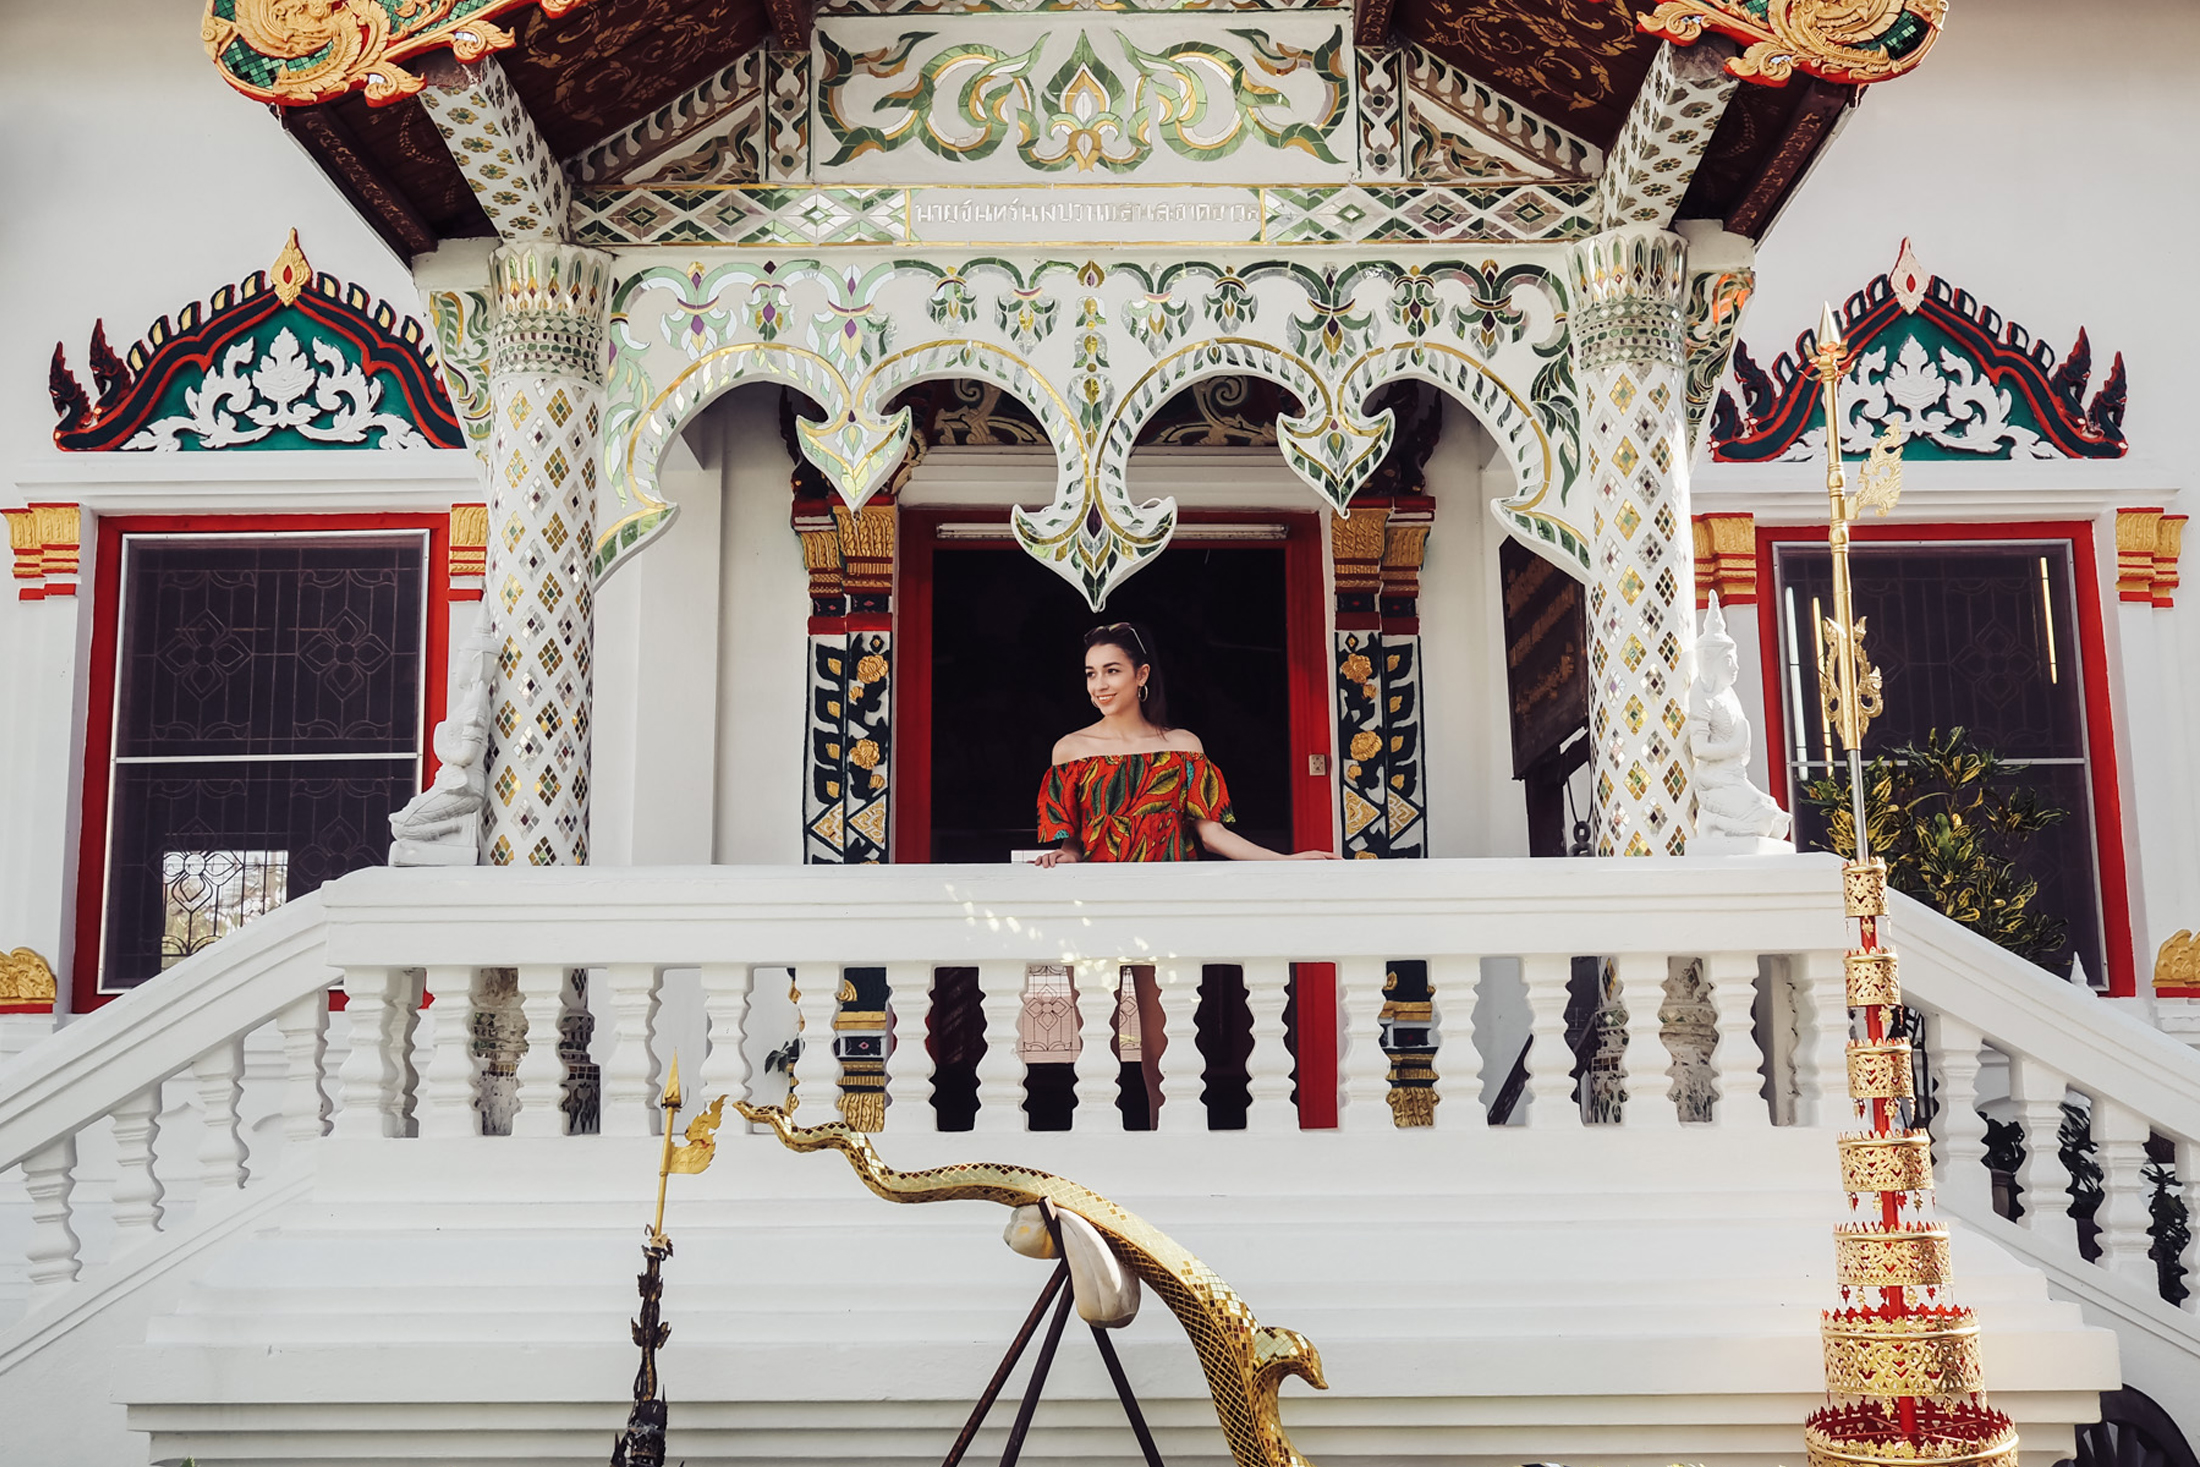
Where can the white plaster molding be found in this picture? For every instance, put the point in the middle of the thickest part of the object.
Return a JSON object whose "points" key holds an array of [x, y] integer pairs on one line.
{"points": [[273, 482], [1942, 490]]}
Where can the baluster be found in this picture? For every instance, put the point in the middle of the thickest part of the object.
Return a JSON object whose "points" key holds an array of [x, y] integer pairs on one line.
{"points": [[1821, 998], [909, 1064], [372, 1077], [1551, 1099], [304, 1028], [1650, 1102], [725, 1067], [1735, 1058], [2187, 1154], [817, 1069], [450, 1106], [1183, 1067], [2039, 1093], [218, 1075], [1964, 1184], [49, 1176], [1268, 1068], [1001, 1068], [137, 1190], [1453, 982], [1095, 984], [2120, 1134], [1366, 1067], [629, 1103], [538, 1082]]}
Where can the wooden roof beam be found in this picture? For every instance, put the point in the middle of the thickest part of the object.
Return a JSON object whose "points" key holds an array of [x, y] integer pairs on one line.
{"points": [[791, 20], [359, 178]]}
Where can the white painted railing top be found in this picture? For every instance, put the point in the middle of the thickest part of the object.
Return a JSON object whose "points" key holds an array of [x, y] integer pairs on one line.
{"points": [[1296, 911]]}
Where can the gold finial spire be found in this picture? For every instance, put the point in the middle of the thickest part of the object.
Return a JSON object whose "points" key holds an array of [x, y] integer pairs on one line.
{"points": [[291, 273]]}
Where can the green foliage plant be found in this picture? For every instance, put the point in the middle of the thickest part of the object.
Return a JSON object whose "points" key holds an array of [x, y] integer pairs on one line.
{"points": [[1954, 832]]}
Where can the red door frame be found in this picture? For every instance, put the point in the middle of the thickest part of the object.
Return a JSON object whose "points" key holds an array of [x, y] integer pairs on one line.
{"points": [[1306, 657], [99, 712], [2100, 723]]}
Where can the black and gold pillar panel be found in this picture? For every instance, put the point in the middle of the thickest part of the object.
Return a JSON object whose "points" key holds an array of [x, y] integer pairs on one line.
{"points": [[1405, 543], [859, 1042], [1409, 1038], [849, 556], [1356, 555]]}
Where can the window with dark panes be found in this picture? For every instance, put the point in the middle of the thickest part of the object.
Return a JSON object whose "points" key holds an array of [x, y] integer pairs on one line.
{"points": [[1980, 635], [267, 720]]}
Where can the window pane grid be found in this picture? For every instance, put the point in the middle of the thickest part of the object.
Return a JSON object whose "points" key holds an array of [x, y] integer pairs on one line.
{"points": [[267, 721], [1978, 635]]}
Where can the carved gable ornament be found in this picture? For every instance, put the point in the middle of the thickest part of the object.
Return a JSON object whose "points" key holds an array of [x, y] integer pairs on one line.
{"points": [[289, 358], [1957, 380]]}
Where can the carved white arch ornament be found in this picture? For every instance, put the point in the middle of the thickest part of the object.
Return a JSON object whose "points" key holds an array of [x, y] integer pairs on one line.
{"points": [[1093, 349]]}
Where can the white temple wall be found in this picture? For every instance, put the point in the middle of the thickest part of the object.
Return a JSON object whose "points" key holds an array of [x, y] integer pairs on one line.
{"points": [[2060, 212], [1476, 807], [763, 615]]}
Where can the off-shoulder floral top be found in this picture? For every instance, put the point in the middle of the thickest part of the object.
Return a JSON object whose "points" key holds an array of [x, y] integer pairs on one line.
{"points": [[1132, 807]]}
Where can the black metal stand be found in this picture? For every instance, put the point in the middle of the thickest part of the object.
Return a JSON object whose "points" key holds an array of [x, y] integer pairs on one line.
{"points": [[642, 1444], [1037, 1384]]}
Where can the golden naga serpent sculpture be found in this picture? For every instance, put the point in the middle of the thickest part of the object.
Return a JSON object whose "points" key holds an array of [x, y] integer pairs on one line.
{"points": [[1245, 1360]]}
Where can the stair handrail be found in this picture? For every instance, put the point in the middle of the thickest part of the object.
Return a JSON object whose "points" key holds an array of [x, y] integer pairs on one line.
{"points": [[98, 1060]]}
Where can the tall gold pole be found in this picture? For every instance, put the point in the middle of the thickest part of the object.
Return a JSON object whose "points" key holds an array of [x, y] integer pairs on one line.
{"points": [[1901, 1362]]}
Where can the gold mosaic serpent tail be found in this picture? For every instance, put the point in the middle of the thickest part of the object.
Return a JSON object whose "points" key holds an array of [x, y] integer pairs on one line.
{"points": [[1245, 1360]]}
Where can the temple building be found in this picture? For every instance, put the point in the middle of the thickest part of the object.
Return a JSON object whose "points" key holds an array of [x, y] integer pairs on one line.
{"points": [[552, 542]]}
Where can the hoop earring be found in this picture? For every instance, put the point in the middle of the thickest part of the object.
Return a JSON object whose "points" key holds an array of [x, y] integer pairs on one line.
{"points": [[1143, 690]]}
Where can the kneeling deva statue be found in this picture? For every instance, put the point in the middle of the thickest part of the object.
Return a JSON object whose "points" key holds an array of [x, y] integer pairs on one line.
{"points": [[1733, 816]]}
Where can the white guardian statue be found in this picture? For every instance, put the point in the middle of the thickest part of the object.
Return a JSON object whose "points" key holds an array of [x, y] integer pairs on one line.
{"points": [[441, 826], [1733, 816]]}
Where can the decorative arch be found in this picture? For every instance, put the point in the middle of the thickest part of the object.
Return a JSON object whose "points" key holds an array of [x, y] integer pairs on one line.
{"points": [[1063, 338]]}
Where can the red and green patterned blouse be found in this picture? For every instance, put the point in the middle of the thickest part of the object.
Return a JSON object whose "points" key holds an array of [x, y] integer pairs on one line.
{"points": [[1132, 807]]}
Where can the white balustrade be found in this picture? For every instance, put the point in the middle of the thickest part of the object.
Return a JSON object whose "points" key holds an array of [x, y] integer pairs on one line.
{"points": [[54, 1255], [303, 1025], [136, 1198], [1820, 991], [909, 1064], [396, 936], [450, 1099], [1098, 986], [218, 1077], [1737, 1060], [1183, 1067], [1959, 1131], [817, 1068], [1268, 1068], [1458, 1062], [1646, 1063], [1365, 1102], [539, 1082], [1551, 1102], [2187, 1154], [724, 1068], [629, 1103], [1000, 1068], [373, 1076], [2039, 1091], [2120, 1146]]}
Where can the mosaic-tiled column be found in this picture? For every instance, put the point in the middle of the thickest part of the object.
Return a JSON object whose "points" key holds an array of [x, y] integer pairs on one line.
{"points": [[546, 384], [1630, 357], [849, 555], [1405, 543]]}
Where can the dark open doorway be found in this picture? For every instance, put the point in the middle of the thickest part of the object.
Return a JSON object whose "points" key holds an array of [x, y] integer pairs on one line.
{"points": [[1004, 680]]}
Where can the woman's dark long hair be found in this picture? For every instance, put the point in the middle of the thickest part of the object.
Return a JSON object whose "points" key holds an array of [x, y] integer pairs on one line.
{"points": [[1137, 644]]}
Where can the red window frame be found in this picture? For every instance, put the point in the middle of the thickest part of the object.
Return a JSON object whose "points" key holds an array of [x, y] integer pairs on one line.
{"points": [[99, 713], [2100, 723], [1306, 657]]}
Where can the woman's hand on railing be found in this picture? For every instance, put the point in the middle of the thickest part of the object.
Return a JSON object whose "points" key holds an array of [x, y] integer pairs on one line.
{"points": [[1059, 856]]}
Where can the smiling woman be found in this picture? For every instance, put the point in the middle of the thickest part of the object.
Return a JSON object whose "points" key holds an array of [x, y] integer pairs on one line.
{"points": [[1130, 787]]}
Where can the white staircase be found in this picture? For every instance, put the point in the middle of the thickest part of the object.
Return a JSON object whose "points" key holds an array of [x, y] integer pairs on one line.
{"points": [[406, 1289]]}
